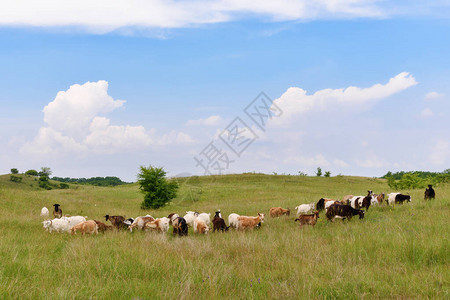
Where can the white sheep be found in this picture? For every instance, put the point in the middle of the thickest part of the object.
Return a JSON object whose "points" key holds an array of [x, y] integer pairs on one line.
{"points": [[58, 225], [304, 209], [44, 212]]}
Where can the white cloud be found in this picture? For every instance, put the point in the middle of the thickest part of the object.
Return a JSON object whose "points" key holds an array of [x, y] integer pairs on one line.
{"points": [[102, 16], [426, 113], [317, 160], [295, 101], [372, 162], [440, 153], [74, 125], [210, 121], [340, 163], [433, 96]]}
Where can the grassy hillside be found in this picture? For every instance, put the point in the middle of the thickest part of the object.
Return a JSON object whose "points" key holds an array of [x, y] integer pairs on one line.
{"points": [[395, 252]]}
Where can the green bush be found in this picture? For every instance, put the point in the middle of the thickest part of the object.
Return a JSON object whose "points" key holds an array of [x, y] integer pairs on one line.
{"points": [[14, 171], [63, 186], [416, 180], [14, 178], [158, 191], [327, 174], [32, 173]]}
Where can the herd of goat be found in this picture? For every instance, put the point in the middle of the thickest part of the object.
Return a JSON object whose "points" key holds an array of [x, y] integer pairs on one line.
{"points": [[307, 214]]}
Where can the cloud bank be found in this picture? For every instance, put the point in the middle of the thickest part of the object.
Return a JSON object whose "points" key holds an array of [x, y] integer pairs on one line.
{"points": [[75, 123]]}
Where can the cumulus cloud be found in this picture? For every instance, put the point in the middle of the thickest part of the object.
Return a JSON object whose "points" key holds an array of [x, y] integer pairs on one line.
{"points": [[426, 113], [433, 96], [316, 160], [74, 124], [102, 16], [295, 101], [210, 121], [440, 153]]}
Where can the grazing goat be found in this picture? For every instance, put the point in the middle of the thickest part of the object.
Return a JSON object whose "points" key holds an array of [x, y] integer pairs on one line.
{"points": [[159, 224], [233, 220], [58, 225], [180, 226], [190, 217], [343, 211], [200, 226], [44, 212], [310, 219], [304, 209], [394, 198], [117, 222], [321, 203], [102, 227], [377, 199], [140, 222], [219, 223], [57, 213], [245, 222], [429, 193], [362, 201], [279, 211], [85, 227], [75, 220]]}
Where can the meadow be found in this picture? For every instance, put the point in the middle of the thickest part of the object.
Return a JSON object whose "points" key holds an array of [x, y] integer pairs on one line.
{"points": [[399, 252]]}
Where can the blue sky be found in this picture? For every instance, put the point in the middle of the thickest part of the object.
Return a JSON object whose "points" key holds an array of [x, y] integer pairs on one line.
{"points": [[184, 79]]}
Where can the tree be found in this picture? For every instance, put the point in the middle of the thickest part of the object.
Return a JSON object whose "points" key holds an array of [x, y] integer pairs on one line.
{"points": [[319, 172], [14, 171], [32, 172], [44, 176], [45, 171], [327, 174], [157, 190]]}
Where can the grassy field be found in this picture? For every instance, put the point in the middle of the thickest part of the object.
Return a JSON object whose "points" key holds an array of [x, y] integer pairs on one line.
{"points": [[397, 252]]}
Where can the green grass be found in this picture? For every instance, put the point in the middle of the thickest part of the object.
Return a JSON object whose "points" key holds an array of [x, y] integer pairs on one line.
{"points": [[395, 252]]}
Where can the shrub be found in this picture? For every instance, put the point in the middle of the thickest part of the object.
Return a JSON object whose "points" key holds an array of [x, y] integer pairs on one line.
{"points": [[319, 172], [63, 186], [14, 178], [32, 173], [14, 171], [158, 191]]}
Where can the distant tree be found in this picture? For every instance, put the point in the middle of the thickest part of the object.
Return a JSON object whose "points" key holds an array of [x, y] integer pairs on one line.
{"points": [[32, 173], [300, 173], [319, 172], [45, 171], [327, 174], [44, 176], [14, 171], [157, 190]]}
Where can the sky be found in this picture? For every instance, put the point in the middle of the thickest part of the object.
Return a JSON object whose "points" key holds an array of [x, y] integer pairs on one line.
{"points": [[100, 88]]}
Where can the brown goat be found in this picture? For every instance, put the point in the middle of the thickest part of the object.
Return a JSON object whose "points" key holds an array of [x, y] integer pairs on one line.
{"points": [[116, 221], [102, 227], [57, 213], [245, 222], [279, 211], [85, 227], [308, 219]]}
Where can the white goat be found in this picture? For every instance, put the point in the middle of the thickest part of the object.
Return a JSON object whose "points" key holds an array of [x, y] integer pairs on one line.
{"points": [[58, 225], [304, 209]]}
